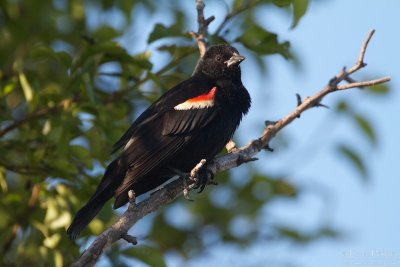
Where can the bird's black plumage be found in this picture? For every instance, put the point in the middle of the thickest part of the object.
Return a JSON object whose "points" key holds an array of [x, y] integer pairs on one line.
{"points": [[192, 121]]}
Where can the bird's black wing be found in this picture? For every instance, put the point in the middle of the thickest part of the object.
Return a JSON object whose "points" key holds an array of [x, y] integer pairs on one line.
{"points": [[188, 89], [147, 115], [165, 128]]}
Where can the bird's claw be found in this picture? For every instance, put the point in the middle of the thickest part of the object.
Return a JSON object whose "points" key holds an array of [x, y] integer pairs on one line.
{"points": [[204, 177]]}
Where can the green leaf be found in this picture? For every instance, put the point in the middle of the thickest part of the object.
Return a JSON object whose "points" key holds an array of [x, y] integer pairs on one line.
{"points": [[263, 42], [8, 88], [142, 60], [160, 31], [355, 159], [26, 87], [294, 235], [299, 9], [87, 79], [284, 188], [64, 58], [55, 134], [38, 154], [105, 33], [342, 106], [112, 51], [178, 51], [149, 255], [306, 237], [282, 3], [237, 4], [62, 220], [42, 52], [58, 259], [366, 128], [52, 241], [379, 89], [3, 182], [96, 226]]}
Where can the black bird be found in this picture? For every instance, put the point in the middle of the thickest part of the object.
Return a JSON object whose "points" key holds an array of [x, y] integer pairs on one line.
{"points": [[192, 121]]}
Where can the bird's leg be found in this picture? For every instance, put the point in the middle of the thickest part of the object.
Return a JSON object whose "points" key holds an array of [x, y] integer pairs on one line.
{"points": [[185, 176], [199, 177], [204, 177]]}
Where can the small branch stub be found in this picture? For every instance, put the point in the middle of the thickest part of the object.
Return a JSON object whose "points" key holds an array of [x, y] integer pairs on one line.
{"points": [[130, 239], [299, 102]]}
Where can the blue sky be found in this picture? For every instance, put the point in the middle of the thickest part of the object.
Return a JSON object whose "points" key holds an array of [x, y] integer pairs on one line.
{"points": [[327, 38]]}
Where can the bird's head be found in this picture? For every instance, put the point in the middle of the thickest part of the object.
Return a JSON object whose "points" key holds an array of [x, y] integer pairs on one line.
{"points": [[220, 61]]}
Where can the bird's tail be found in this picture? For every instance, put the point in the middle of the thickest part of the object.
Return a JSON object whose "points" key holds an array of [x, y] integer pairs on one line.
{"points": [[112, 177]]}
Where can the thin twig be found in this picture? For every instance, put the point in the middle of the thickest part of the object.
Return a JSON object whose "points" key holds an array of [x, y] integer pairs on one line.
{"points": [[363, 84], [31, 117], [201, 33], [130, 239], [360, 60]]}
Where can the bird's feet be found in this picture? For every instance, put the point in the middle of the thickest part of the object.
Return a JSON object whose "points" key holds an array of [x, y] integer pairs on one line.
{"points": [[198, 178], [203, 177]]}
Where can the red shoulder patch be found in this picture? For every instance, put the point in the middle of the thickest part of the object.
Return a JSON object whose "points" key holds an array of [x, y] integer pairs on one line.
{"points": [[209, 96], [201, 101]]}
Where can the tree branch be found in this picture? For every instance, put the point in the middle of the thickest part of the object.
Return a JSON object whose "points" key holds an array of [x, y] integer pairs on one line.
{"points": [[31, 117], [201, 33], [233, 159], [363, 84]]}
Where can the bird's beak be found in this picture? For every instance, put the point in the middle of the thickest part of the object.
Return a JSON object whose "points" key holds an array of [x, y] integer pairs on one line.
{"points": [[234, 60]]}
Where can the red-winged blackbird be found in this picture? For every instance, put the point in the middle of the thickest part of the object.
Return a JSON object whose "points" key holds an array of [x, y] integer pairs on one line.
{"points": [[192, 121]]}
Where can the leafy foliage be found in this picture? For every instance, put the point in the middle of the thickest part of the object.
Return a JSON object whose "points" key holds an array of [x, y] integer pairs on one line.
{"points": [[355, 159], [62, 109]]}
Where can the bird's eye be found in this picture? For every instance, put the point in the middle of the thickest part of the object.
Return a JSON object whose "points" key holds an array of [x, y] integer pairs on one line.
{"points": [[218, 58]]}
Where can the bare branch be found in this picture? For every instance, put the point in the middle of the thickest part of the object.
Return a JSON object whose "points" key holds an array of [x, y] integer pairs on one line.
{"points": [[363, 84], [31, 117], [201, 33], [233, 159], [360, 60]]}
